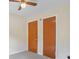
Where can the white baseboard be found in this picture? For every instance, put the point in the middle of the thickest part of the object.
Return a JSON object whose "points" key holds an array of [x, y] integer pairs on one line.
{"points": [[14, 52]]}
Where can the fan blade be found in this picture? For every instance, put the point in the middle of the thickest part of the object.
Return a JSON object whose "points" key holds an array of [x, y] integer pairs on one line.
{"points": [[31, 3], [15, 0], [19, 8], [22, 1]]}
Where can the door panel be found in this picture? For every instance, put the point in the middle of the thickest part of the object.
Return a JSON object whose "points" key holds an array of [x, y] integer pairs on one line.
{"points": [[32, 36], [49, 37]]}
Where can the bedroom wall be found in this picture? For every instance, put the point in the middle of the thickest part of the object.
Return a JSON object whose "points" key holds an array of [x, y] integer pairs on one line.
{"points": [[17, 34]]}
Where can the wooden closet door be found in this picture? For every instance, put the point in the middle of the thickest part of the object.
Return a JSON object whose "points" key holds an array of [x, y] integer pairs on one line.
{"points": [[49, 37], [32, 36]]}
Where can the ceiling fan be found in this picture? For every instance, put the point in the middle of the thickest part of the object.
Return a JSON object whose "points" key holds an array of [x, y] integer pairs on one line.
{"points": [[24, 3]]}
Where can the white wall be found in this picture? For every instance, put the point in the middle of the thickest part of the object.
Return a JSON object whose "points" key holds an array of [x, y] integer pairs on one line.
{"points": [[17, 34], [63, 35], [40, 36], [62, 30]]}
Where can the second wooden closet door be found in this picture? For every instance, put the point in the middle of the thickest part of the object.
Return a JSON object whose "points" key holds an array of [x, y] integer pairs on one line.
{"points": [[49, 37], [32, 36]]}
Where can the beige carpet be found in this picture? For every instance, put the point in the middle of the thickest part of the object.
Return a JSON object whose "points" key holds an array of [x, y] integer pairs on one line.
{"points": [[27, 55]]}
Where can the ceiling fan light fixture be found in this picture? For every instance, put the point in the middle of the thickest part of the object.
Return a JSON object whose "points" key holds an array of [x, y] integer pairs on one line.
{"points": [[23, 5]]}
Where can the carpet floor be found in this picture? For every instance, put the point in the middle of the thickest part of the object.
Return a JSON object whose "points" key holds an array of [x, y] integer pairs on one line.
{"points": [[27, 55]]}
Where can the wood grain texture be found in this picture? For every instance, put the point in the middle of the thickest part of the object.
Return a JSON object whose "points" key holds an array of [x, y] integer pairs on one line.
{"points": [[49, 37], [32, 36]]}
